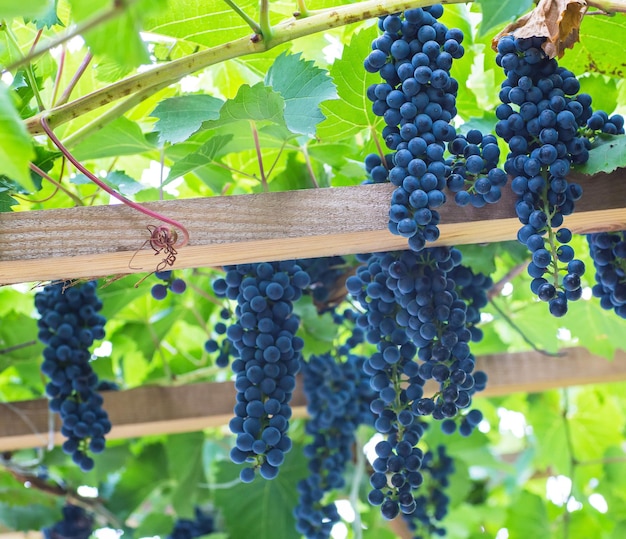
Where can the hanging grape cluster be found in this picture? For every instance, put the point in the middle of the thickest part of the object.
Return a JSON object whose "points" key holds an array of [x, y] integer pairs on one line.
{"points": [[68, 326]]}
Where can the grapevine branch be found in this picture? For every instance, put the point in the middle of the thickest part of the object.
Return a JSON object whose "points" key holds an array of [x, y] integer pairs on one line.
{"points": [[161, 76], [609, 6], [108, 189]]}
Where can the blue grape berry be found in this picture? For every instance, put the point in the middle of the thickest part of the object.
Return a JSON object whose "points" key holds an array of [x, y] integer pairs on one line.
{"points": [[68, 326], [175, 284], [76, 523], [186, 528]]}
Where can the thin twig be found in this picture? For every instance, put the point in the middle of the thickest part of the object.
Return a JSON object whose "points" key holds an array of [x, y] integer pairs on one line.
{"points": [[572, 461], [519, 331], [30, 74], [15, 347], [309, 166], [259, 156], [57, 184], [249, 20], [57, 79], [497, 287], [264, 21], [72, 84]]}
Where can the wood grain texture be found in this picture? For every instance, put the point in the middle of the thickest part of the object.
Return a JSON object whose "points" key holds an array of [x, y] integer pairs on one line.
{"points": [[99, 241], [157, 410]]}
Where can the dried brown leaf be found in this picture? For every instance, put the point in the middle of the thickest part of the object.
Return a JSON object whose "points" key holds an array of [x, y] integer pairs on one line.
{"points": [[556, 20]]}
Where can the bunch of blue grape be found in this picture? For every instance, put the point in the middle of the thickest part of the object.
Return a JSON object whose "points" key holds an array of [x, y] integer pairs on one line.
{"points": [[267, 352], [222, 345], [327, 276], [175, 284], [548, 126], [417, 102], [432, 507], [412, 310], [68, 326], [474, 175], [185, 528], [76, 524], [608, 252], [338, 401]]}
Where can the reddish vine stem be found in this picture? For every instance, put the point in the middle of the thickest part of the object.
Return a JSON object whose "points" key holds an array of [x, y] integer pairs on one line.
{"points": [[72, 84], [57, 80], [259, 155], [55, 140], [57, 184]]}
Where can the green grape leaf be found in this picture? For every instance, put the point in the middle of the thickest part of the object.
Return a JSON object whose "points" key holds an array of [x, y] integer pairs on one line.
{"points": [[595, 425], [256, 103], [595, 328], [16, 150], [120, 137], [179, 117], [184, 462], [6, 200], [208, 23], [208, 152], [601, 47], [528, 517], [23, 8], [263, 506], [30, 517], [141, 475], [303, 87], [123, 183], [607, 155], [352, 112], [497, 12], [48, 18], [545, 417], [118, 38]]}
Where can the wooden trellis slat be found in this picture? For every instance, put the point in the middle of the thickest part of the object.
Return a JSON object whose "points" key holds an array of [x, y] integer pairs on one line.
{"points": [[98, 241], [157, 410]]}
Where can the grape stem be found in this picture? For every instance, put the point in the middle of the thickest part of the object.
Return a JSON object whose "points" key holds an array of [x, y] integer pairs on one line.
{"points": [[249, 20], [519, 331], [55, 140], [572, 461], [30, 74], [259, 155], [65, 96], [264, 20], [153, 80], [57, 184]]}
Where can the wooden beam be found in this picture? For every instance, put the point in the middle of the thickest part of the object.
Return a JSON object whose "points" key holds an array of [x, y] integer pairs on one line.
{"points": [[158, 410], [103, 240]]}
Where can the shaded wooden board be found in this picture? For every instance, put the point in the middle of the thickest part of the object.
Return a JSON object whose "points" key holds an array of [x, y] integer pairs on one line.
{"points": [[158, 410]]}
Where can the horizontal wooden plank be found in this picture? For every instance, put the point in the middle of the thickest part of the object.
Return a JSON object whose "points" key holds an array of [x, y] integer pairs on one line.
{"points": [[109, 240], [158, 410]]}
